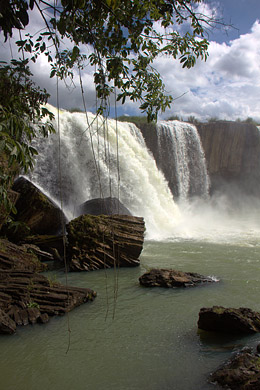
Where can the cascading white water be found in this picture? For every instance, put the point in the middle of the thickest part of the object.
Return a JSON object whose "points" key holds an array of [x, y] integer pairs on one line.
{"points": [[90, 168], [137, 181], [180, 147]]}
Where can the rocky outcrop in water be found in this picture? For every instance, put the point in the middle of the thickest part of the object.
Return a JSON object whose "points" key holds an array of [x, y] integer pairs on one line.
{"points": [[232, 152], [229, 320], [105, 206], [27, 297], [36, 210], [241, 372], [172, 279], [96, 242]]}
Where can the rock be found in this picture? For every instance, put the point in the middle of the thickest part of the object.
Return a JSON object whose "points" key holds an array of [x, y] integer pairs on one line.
{"points": [[232, 154], [172, 278], [27, 298], [52, 244], [229, 320], [231, 150], [36, 210], [103, 206], [96, 242], [7, 325], [241, 372], [14, 257]]}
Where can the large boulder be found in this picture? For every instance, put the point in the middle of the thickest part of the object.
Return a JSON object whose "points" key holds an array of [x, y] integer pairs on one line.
{"points": [[103, 241], [105, 206], [172, 278], [241, 372], [36, 210], [229, 320], [27, 297]]}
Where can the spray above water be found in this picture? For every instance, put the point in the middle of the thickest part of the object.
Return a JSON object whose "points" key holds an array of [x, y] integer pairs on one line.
{"points": [[107, 158], [102, 158]]}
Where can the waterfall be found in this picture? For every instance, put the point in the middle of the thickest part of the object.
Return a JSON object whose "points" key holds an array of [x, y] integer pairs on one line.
{"points": [[100, 158], [181, 158]]}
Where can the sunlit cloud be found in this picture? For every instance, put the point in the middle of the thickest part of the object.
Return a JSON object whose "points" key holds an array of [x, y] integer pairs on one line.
{"points": [[225, 86]]}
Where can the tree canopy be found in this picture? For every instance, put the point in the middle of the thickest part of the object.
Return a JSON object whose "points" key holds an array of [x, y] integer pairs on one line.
{"points": [[21, 119], [123, 38]]}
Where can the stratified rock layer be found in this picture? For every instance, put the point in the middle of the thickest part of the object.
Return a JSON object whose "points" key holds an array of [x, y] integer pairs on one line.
{"points": [[241, 372], [14, 257], [229, 320], [27, 298], [171, 278], [96, 242]]}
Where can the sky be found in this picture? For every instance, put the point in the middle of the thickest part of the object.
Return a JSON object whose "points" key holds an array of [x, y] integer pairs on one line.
{"points": [[226, 86]]}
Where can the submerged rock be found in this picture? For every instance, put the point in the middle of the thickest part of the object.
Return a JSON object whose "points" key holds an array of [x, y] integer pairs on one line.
{"points": [[172, 278], [241, 372], [96, 242], [36, 210], [27, 298], [103, 206], [229, 320]]}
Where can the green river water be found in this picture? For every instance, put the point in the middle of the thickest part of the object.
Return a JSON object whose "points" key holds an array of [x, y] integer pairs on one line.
{"points": [[133, 338]]}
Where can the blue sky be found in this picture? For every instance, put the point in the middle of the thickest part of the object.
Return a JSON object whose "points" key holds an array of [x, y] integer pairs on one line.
{"points": [[241, 13], [227, 86]]}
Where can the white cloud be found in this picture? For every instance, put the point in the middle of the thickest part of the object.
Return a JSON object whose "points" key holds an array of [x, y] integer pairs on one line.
{"points": [[227, 85]]}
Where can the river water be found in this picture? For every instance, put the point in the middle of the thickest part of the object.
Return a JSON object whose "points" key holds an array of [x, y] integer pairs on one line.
{"points": [[132, 337]]}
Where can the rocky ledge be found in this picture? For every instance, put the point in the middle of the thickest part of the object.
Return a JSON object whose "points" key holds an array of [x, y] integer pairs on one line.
{"points": [[241, 372], [229, 320], [27, 297], [104, 241], [16, 257], [172, 278]]}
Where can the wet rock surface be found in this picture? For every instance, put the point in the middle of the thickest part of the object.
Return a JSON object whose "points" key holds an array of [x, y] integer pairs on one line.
{"points": [[27, 297], [229, 320], [36, 210], [172, 279], [240, 372], [103, 206], [96, 242]]}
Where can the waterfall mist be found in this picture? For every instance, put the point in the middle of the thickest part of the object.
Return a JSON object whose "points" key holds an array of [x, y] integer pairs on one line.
{"points": [[106, 158]]}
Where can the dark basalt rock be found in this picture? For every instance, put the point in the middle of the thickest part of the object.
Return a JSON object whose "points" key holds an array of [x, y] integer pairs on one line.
{"points": [[103, 206], [27, 298], [14, 257], [241, 372], [229, 320], [36, 210], [103, 241], [172, 278]]}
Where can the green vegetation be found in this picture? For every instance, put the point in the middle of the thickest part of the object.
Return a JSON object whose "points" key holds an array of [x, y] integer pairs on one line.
{"points": [[75, 109], [52, 280], [175, 118], [22, 117], [124, 48], [33, 304]]}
